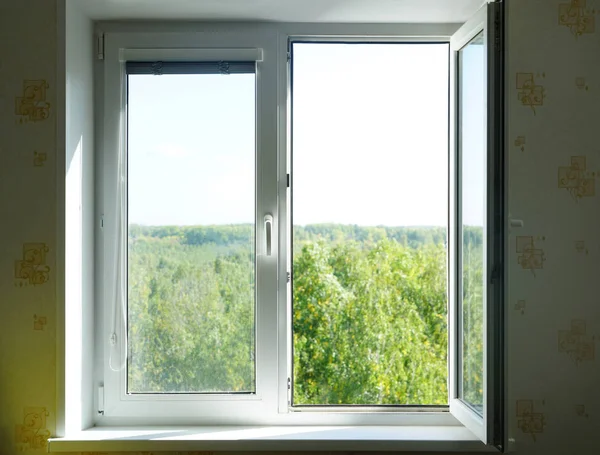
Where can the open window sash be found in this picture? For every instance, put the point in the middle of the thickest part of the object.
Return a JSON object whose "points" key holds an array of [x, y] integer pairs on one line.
{"points": [[476, 227]]}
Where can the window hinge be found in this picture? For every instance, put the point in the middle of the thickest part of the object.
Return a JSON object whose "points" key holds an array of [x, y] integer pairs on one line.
{"points": [[288, 180], [497, 35], [289, 277], [289, 391], [289, 56], [101, 399], [102, 221], [100, 46]]}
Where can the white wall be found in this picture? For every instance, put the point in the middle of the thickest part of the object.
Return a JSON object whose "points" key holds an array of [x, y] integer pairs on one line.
{"points": [[79, 215]]}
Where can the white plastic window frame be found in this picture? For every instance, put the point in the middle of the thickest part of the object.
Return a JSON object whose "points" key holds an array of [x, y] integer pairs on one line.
{"points": [[270, 404], [490, 424], [117, 406]]}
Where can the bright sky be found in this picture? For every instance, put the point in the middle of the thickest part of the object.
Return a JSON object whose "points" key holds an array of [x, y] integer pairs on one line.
{"points": [[370, 140], [473, 135]]}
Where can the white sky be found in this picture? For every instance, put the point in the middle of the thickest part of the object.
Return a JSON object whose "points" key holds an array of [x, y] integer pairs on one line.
{"points": [[370, 140], [473, 134]]}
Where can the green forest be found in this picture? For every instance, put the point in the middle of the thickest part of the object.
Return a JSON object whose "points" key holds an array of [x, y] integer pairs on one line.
{"points": [[369, 313]]}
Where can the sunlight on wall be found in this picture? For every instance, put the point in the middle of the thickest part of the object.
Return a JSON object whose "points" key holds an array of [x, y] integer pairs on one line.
{"points": [[28, 224], [73, 292]]}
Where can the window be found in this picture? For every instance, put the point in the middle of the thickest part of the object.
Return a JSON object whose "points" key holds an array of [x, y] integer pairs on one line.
{"points": [[476, 226], [292, 233], [369, 262], [472, 163], [190, 275]]}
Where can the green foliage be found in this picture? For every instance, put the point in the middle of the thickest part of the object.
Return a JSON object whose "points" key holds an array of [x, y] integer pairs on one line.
{"points": [[191, 315], [369, 312], [414, 237], [472, 317], [370, 324]]}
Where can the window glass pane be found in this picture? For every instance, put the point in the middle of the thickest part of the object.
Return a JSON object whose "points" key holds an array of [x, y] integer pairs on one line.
{"points": [[370, 191], [473, 211], [191, 218]]}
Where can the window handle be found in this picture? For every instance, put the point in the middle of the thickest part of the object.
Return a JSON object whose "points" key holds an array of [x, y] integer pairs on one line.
{"points": [[268, 233]]}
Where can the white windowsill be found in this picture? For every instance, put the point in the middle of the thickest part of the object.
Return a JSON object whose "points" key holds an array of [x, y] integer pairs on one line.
{"points": [[285, 438]]}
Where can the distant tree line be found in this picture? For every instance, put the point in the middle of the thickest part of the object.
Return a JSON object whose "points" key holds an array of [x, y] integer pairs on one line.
{"points": [[369, 312]]}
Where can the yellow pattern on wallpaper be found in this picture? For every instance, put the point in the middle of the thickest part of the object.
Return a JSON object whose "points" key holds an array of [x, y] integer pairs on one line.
{"points": [[39, 322], [531, 257], [576, 343], [577, 17], [32, 105], [529, 420], [530, 93], [580, 411], [39, 158], [520, 142], [580, 84], [32, 434], [520, 306], [577, 179], [32, 268], [580, 247]]}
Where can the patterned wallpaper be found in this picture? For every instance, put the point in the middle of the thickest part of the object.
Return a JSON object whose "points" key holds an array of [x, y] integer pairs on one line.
{"points": [[27, 224], [554, 165]]}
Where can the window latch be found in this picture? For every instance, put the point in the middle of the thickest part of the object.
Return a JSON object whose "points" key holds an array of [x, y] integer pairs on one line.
{"points": [[268, 233], [101, 399]]}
